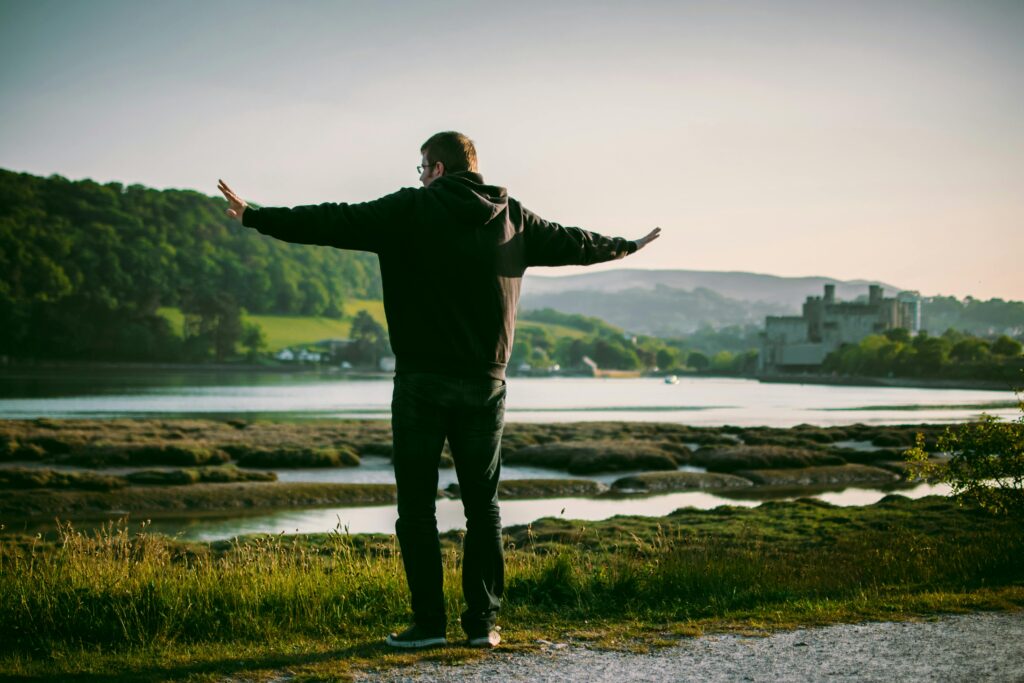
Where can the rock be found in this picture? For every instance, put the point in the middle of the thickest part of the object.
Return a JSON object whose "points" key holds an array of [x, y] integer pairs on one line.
{"points": [[680, 481]]}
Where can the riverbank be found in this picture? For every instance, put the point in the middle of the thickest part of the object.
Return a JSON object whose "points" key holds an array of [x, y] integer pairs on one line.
{"points": [[128, 605], [917, 382]]}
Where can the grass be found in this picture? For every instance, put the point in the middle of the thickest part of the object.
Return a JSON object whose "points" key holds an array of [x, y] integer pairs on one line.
{"points": [[183, 500], [124, 605], [283, 331], [554, 330], [295, 330]]}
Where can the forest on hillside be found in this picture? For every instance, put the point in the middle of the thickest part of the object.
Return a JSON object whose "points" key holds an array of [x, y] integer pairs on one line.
{"points": [[84, 267]]}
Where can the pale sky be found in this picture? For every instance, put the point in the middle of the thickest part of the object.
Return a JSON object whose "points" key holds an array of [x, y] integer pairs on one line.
{"points": [[875, 139]]}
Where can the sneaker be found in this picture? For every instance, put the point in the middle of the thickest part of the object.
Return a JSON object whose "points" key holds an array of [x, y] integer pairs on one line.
{"points": [[489, 639], [415, 637]]}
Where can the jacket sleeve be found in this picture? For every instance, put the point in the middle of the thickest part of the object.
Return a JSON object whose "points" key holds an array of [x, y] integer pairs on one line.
{"points": [[365, 226], [550, 244]]}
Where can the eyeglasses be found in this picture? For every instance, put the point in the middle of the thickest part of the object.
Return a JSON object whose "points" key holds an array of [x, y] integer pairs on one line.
{"points": [[419, 169]]}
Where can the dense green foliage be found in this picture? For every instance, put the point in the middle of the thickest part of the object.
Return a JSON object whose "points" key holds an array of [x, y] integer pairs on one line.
{"points": [[84, 267], [987, 463], [954, 355]]}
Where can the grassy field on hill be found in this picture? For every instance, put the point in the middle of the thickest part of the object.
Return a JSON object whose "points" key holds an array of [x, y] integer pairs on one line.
{"points": [[296, 330]]}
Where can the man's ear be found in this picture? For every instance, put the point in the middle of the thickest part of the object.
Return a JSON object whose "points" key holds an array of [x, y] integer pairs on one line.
{"points": [[441, 164]]}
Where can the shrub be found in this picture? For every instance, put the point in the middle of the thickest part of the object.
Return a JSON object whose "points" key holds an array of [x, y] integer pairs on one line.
{"points": [[42, 478], [299, 457], [986, 463], [179, 455]]}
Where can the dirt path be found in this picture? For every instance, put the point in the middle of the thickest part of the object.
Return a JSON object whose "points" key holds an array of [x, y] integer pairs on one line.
{"points": [[973, 647]]}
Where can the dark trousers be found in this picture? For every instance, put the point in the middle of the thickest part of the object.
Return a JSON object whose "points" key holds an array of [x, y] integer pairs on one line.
{"points": [[470, 412]]}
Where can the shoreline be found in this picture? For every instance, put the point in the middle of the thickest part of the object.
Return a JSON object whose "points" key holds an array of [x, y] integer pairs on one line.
{"points": [[14, 368], [888, 382]]}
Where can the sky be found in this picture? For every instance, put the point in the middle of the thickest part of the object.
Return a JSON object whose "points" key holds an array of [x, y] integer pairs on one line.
{"points": [[867, 139]]}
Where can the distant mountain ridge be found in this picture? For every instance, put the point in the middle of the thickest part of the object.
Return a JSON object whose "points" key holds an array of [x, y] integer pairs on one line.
{"points": [[774, 290], [679, 302]]}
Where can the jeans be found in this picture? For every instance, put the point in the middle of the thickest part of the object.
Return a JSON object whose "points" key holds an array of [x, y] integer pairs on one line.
{"points": [[470, 412]]}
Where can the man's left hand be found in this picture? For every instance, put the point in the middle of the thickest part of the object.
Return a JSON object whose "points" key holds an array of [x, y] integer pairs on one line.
{"points": [[236, 205], [647, 239]]}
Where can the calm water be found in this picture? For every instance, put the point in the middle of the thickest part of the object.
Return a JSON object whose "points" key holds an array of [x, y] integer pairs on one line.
{"points": [[695, 401], [381, 518]]}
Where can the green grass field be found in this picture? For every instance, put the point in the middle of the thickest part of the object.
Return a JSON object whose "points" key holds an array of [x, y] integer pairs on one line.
{"points": [[284, 331], [295, 330]]}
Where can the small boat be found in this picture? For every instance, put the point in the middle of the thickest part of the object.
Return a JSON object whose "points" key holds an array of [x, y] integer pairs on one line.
{"points": [[671, 379]]}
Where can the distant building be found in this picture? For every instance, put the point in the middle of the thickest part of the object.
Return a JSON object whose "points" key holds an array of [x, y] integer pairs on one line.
{"points": [[800, 343]]}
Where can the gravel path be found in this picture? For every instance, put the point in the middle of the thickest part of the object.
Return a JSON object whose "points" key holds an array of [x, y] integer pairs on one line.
{"points": [[973, 647]]}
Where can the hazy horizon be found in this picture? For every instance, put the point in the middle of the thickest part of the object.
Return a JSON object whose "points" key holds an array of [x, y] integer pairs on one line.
{"points": [[869, 140]]}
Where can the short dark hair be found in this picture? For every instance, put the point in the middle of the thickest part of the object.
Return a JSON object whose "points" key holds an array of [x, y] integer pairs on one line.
{"points": [[452, 149]]}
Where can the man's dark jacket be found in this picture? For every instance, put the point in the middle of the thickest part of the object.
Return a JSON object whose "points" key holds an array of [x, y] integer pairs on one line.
{"points": [[452, 257]]}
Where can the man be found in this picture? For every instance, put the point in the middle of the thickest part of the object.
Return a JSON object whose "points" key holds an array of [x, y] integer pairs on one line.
{"points": [[452, 256]]}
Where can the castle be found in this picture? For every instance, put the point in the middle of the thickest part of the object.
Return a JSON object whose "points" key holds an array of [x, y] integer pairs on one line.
{"points": [[800, 343]]}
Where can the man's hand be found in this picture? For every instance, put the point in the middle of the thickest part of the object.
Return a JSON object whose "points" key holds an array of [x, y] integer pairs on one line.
{"points": [[236, 205], [647, 239]]}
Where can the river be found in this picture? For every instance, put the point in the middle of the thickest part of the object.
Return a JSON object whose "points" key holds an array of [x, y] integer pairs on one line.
{"points": [[701, 401]]}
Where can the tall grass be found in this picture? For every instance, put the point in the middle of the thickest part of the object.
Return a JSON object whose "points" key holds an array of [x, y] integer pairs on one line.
{"points": [[116, 589]]}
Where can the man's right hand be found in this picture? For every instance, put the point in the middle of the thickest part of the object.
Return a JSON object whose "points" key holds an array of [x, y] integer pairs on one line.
{"points": [[647, 239], [236, 205]]}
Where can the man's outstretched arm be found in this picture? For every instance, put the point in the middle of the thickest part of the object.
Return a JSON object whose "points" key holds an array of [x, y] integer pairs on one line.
{"points": [[551, 244], [346, 226]]}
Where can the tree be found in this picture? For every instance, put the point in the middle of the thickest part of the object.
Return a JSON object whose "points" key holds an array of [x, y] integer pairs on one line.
{"points": [[1006, 346], [370, 339], [898, 334], [698, 361], [213, 320], [970, 350], [253, 339], [667, 358]]}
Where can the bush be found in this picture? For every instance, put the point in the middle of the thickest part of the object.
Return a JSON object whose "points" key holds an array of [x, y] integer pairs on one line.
{"points": [[986, 464], [205, 475], [179, 455], [299, 457], [41, 478]]}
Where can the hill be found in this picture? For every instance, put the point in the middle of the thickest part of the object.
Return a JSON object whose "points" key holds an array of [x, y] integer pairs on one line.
{"points": [[84, 267], [679, 302], [788, 293]]}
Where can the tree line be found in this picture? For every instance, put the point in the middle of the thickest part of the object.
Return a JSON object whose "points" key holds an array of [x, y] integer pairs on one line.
{"points": [[84, 267], [953, 355]]}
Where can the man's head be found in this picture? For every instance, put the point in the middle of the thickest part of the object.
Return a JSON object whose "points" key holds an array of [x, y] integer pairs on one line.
{"points": [[447, 152]]}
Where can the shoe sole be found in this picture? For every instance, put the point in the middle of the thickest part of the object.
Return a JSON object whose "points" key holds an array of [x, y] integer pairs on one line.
{"points": [[416, 644], [485, 641]]}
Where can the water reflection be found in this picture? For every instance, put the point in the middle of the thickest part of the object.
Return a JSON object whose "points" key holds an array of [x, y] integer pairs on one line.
{"points": [[695, 401], [381, 518]]}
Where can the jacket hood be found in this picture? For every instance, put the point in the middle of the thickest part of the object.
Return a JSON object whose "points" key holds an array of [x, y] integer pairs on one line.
{"points": [[467, 196]]}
